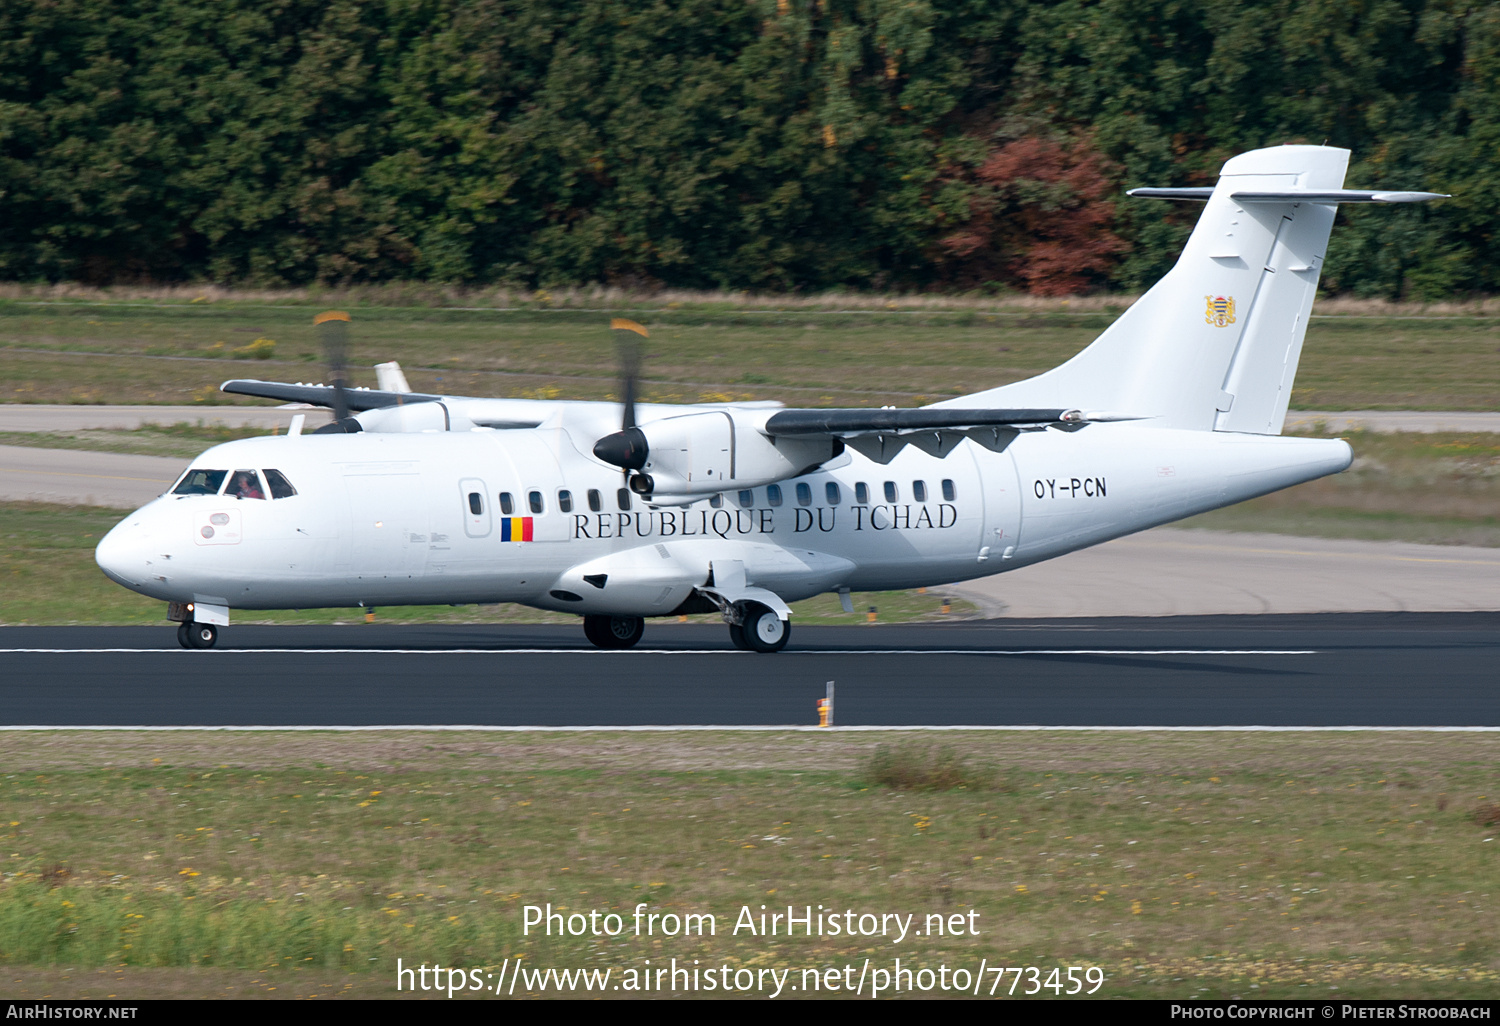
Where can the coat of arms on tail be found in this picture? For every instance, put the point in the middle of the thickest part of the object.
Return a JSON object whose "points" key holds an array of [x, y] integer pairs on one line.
{"points": [[1220, 311]]}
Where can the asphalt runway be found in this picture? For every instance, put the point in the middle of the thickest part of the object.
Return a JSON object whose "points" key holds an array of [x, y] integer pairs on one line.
{"points": [[1381, 669]]}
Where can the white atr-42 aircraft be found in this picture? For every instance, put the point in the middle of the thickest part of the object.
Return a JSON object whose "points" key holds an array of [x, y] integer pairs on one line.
{"points": [[741, 508]]}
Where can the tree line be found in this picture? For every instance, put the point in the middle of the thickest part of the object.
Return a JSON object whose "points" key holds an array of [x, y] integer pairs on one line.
{"points": [[760, 144]]}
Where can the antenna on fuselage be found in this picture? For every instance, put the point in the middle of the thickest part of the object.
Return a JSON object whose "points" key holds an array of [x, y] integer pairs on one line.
{"points": [[333, 335]]}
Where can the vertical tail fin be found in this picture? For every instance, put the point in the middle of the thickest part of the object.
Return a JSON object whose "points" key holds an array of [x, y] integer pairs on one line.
{"points": [[1214, 345]]}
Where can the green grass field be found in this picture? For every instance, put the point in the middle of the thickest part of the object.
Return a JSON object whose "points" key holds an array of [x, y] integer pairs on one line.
{"points": [[1183, 865], [804, 355]]}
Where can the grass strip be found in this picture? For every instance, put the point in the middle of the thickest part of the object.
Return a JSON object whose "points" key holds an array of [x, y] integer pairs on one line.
{"points": [[87, 353], [1219, 865]]}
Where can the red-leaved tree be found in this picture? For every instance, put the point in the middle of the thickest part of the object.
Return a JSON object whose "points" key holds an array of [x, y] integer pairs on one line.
{"points": [[1038, 219]]}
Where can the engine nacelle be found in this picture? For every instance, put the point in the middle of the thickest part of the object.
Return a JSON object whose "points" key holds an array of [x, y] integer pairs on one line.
{"points": [[409, 417], [699, 454]]}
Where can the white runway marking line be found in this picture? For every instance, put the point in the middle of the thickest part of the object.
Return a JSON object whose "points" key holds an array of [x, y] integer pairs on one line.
{"points": [[774, 728], [675, 651]]}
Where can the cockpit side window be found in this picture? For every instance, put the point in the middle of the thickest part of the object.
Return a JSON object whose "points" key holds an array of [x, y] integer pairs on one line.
{"points": [[281, 488], [198, 481], [245, 484]]}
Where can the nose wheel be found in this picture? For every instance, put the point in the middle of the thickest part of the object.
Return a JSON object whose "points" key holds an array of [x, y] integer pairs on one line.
{"points": [[613, 631], [197, 635]]}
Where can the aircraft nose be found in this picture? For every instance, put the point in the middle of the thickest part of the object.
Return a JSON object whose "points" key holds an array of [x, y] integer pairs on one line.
{"points": [[121, 554]]}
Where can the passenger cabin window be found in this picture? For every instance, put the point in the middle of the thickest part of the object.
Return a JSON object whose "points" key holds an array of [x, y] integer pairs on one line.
{"points": [[200, 482], [564, 501], [245, 484], [831, 492], [804, 494], [773, 494], [507, 504], [476, 503], [534, 501], [622, 498], [919, 491], [948, 490], [890, 491], [717, 502], [747, 498], [596, 501], [281, 488], [861, 493]]}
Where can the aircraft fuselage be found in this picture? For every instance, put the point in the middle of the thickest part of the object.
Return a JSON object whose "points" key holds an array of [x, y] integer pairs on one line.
{"points": [[509, 516]]}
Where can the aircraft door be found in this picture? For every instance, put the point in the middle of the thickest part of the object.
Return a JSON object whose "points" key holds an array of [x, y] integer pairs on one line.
{"points": [[474, 497], [1002, 507], [389, 518]]}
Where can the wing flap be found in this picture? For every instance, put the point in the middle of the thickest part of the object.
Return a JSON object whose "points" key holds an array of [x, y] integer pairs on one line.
{"points": [[845, 423]]}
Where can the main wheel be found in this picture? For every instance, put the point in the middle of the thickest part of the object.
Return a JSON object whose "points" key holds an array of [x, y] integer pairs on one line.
{"points": [[182, 635], [764, 630], [202, 635], [737, 637], [613, 631]]}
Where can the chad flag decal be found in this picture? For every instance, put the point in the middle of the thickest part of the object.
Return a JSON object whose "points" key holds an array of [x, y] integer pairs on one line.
{"points": [[515, 528]]}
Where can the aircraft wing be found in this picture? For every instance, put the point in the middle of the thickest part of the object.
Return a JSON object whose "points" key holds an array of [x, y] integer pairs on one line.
{"points": [[864, 421], [880, 434], [359, 399]]}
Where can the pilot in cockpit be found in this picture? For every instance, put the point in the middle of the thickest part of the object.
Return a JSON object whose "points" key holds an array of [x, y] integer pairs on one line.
{"points": [[245, 484]]}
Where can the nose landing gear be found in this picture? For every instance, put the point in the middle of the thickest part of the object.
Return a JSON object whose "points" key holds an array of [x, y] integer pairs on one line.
{"points": [[197, 635], [193, 633]]}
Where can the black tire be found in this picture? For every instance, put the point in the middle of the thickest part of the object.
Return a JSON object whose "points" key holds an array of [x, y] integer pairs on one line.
{"points": [[765, 631], [613, 631], [594, 628], [202, 635], [737, 637], [182, 635]]}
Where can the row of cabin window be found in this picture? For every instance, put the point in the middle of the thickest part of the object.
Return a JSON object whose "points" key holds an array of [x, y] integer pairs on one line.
{"points": [[833, 497], [537, 504]]}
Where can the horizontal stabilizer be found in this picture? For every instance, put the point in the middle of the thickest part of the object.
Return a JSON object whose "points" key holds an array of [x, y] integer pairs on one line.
{"points": [[1201, 195], [1334, 196]]}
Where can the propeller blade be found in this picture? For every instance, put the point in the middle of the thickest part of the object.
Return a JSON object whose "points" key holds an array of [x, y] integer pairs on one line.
{"points": [[629, 351], [333, 335]]}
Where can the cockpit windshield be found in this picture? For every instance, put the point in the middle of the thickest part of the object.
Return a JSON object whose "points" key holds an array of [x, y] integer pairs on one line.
{"points": [[245, 484], [198, 481], [281, 488]]}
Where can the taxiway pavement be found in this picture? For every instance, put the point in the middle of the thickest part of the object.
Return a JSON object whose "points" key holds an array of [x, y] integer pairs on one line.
{"points": [[1383, 670], [71, 476], [1171, 571], [64, 417]]}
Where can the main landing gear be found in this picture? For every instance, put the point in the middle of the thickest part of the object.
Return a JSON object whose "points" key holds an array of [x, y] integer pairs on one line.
{"points": [[760, 629], [197, 635], [613, 631]]}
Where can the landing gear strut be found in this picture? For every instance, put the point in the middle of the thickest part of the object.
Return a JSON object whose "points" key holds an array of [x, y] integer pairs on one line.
{"points": [[613, 631], [197, 635], [760, 630]]}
